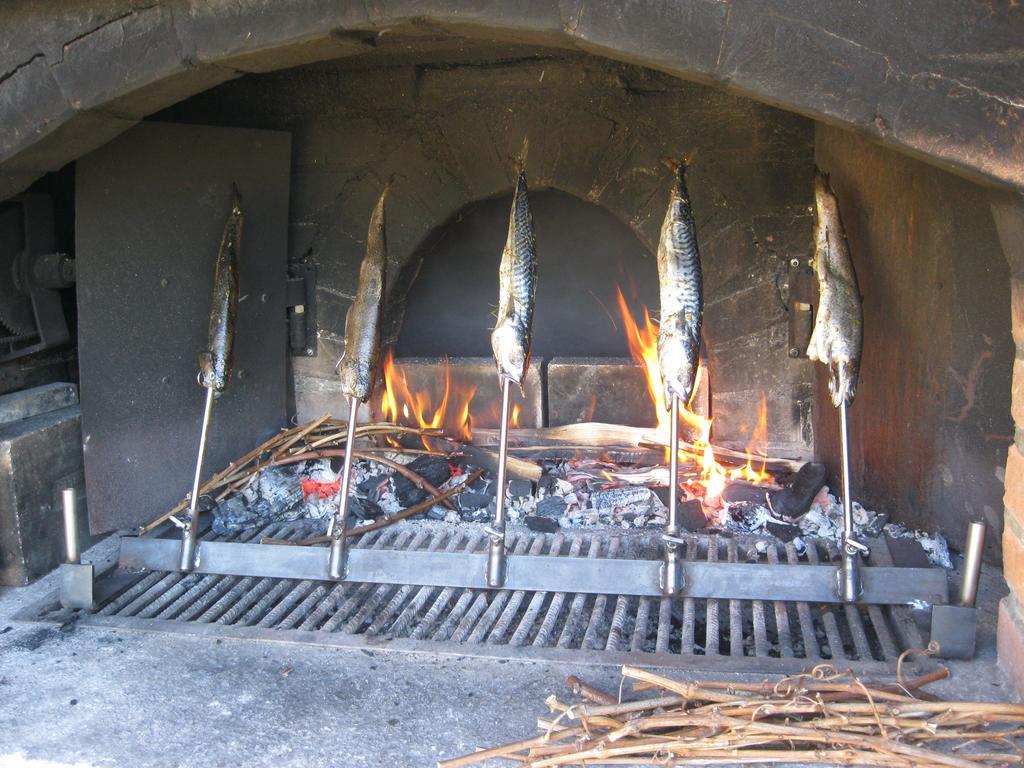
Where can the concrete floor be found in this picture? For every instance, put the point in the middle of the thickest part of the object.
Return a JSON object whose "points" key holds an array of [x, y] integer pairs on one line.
{"points": [[79, 696]]}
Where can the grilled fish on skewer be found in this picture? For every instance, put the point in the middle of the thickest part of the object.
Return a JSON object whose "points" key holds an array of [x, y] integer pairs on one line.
{"points": [[216, 362], [839, 325], [510, 339], [681, 289], [362, 323]]}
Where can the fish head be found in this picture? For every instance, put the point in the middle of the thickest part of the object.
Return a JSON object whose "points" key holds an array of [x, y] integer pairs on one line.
{"points": [[509, 352], [842, 381]]}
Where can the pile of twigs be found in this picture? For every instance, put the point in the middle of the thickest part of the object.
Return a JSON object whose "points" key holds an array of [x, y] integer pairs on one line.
{"points": [[321, 438], [820, 718]]}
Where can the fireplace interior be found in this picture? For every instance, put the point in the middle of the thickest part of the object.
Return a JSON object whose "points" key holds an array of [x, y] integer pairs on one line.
{"points": [[440, 119]]}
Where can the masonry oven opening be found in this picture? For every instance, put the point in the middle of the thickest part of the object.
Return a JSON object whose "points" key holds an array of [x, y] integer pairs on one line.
{"points": [[441, 126]]}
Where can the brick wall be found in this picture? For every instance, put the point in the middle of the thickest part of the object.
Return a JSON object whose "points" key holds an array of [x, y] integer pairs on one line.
{"points": [[1008, 212]]}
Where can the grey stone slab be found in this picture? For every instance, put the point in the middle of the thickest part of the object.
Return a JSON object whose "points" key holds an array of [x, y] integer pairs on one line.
{"points": [[41, 399], [606, 390]]}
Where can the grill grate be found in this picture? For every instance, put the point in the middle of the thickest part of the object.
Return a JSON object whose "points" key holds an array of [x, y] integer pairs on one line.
{"points": [[744, 634]]}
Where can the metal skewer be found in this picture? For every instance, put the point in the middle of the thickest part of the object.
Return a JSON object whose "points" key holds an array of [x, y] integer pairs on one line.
{"points": [[850, 584], [189, 534], [216, 362], [671, 573], [496, 559], [337, 564]]}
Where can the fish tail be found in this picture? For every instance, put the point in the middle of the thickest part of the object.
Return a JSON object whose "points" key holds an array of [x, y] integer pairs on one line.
{"points": [[521, 158]]}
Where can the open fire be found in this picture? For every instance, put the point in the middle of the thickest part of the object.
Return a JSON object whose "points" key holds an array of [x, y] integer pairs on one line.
{"points": [[453, 407]]}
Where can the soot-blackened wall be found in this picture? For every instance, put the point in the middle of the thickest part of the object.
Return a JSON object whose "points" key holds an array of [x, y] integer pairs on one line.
{"points": [[447, 132], [931, 422]]}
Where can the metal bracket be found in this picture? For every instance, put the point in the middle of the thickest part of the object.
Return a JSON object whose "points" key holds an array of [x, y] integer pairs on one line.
{"points": [[301, 303], [803, 295], [76, 586]]}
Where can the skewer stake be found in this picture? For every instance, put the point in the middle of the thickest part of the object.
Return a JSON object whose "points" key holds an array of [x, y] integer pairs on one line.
{"points": [[850, 585], [337, 564], [671, 574], [496, 560], [190, 532]]}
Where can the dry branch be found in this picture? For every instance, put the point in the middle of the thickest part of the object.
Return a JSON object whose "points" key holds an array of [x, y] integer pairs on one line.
{"points": [[823, 717]]}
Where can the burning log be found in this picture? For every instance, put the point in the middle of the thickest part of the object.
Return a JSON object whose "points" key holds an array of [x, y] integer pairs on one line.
{"points": [[823, 717], [520, 469], [612, 436]]}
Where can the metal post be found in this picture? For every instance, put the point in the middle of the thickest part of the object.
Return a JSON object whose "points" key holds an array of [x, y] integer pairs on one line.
{"points": [[671, 573], [973, 549], [850, 585], [337, 563], [72, 549], [496, 560], [190, 533], [76, 577]]}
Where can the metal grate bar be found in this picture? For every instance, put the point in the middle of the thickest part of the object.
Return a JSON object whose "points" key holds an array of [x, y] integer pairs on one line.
{"points": [[835, 641], [803, 612], [533, 610], [736, 610], [711, 623], [532, 624], [444, 596], [616, 632], [501, 626], [576, 607], [597, 617], [782, 627]]}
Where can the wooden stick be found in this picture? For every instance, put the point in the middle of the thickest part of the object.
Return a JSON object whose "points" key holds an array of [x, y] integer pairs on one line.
{"points": [[505, 749]]}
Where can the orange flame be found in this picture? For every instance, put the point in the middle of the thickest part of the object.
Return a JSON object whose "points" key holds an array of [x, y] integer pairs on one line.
{"points": [[451, 415], [712, 477]]}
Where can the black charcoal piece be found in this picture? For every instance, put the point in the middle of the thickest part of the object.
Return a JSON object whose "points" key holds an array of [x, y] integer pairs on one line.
{"points": [[797, 498], [691, 515], [520, 488], [551, 506], [371, 485], [738, 492], [783, 531], [541, 524], [470, 501], [364, 509], [436, 512], [434, 469]]}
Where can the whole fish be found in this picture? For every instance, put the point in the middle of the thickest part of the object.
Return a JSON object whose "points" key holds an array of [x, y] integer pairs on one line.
{"points": [[362, 323], [839, 326], [216, 362], [681, 291], [517, 280]]}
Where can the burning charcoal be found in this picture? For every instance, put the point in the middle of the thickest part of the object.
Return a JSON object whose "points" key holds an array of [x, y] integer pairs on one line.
{"points": [[470, 501], [783, 531], [797, 498], [743, 492], [551, 506], [541, 524], [518, 489]]}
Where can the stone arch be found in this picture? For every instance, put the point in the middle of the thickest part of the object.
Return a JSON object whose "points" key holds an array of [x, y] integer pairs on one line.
{"points": [[76, 74]]}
